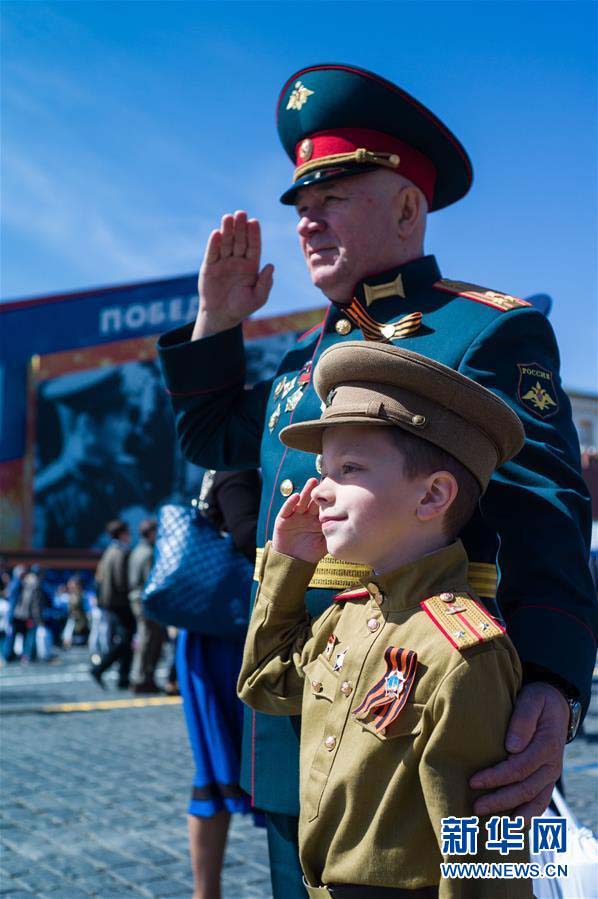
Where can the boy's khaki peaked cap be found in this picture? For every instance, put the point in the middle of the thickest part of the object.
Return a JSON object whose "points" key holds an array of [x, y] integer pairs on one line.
{"points": [[368, 383]]}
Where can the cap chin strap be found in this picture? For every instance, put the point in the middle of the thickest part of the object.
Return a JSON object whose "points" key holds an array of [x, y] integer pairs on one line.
{"points": [[361, 155]]}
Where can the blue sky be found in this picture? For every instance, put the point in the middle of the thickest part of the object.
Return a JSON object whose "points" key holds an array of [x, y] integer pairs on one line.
{"points": [[129, 128]]}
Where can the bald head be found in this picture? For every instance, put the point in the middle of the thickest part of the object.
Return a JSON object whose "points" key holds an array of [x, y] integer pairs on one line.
{"points": [[359, 225]]}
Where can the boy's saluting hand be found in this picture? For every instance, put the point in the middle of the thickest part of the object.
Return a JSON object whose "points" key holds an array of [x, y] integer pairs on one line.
{"points": [[297, 529]]}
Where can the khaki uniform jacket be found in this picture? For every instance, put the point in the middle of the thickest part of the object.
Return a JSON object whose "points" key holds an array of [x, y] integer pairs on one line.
{"points": [[372, 802]]}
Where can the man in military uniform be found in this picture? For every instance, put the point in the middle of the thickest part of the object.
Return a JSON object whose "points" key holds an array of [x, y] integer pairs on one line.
{"points": [[393, 673], [93, 478], [371, 162]]}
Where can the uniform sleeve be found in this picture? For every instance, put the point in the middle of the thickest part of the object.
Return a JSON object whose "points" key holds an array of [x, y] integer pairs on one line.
{"points": [[538, 503], [468, 717], [219, 422], [280, 637]]}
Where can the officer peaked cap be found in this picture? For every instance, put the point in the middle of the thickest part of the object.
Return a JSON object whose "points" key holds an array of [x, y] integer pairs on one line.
{"points": [[339, 120]]}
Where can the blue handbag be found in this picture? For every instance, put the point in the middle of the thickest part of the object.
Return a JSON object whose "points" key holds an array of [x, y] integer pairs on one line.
{"points": [[198, 580]]}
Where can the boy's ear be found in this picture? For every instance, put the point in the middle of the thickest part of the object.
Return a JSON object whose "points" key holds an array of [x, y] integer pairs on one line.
{"points": [[441, 488]]}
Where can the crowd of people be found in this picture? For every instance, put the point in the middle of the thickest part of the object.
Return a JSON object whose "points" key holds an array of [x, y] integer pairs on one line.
{"points": [[39, 618]]}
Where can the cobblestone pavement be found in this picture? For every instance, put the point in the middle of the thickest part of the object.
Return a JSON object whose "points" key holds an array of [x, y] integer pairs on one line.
{"points": [[93, 802]]}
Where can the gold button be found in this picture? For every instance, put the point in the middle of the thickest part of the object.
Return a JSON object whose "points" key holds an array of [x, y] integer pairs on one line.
{"points": [[346, 688], [373, 625], [418, 420], [330, 743], [286, 488], [316, 686], [343, 327], [447, 597]]}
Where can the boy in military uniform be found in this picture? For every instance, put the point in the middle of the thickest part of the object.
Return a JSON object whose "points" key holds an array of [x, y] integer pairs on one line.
{"points": [[405, 683]]}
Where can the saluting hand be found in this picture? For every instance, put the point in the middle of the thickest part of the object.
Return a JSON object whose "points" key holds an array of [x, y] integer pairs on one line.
{"points": [[231, 285], [297, 530]]}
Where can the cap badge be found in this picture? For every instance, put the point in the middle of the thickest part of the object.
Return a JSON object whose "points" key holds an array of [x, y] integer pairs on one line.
{"points": [[299, 96], [330, 397], [306, 149]]}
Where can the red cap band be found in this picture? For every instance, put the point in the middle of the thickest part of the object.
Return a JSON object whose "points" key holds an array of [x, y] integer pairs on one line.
{"points": [[413, 164]]}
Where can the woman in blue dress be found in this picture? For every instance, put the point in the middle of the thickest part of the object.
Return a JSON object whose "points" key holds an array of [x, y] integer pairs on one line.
{"points": [[207, 669]]}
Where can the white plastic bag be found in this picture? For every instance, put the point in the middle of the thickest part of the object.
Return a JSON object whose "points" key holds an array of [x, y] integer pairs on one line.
{"points": [[580, 857], [43, 642]]}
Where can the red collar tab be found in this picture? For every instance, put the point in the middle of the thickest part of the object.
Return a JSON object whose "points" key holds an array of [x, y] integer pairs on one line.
{"points": [[327, 145], [352, 593]]}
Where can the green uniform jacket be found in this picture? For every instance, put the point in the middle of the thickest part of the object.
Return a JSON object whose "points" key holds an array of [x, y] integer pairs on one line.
{"points": [[372, 798], [534, 520]]}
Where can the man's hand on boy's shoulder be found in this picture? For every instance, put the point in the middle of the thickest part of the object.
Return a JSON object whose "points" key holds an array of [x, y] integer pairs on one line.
{"points": [[536, 739], [297, 530]]}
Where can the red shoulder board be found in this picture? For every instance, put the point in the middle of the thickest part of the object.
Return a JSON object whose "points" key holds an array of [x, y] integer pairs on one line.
{"points": [[502, 301], [462, 619], [352, 593]]}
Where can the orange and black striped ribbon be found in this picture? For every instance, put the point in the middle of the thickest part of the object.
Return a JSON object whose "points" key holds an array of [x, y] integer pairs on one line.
{"points": [[373, 330], [389, 707]]}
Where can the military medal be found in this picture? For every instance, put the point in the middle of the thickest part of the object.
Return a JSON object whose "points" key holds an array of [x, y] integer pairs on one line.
{"points": [[293, 400], [373, 330], [330, 645], [386, 699], [279, 387], [340, 659], [274, 418], [288, 386], [395, 682], [305, 373]]}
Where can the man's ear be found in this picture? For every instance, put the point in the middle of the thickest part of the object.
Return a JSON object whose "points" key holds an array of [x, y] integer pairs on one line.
{"points": [[409, 203], [441, 488]]}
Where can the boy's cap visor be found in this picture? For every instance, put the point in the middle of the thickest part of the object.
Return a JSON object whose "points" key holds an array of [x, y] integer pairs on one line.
{"points": [[364, 383]]}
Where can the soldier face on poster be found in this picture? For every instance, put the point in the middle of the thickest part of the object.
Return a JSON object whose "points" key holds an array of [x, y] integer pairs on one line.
{"points": [[105, 448]]}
